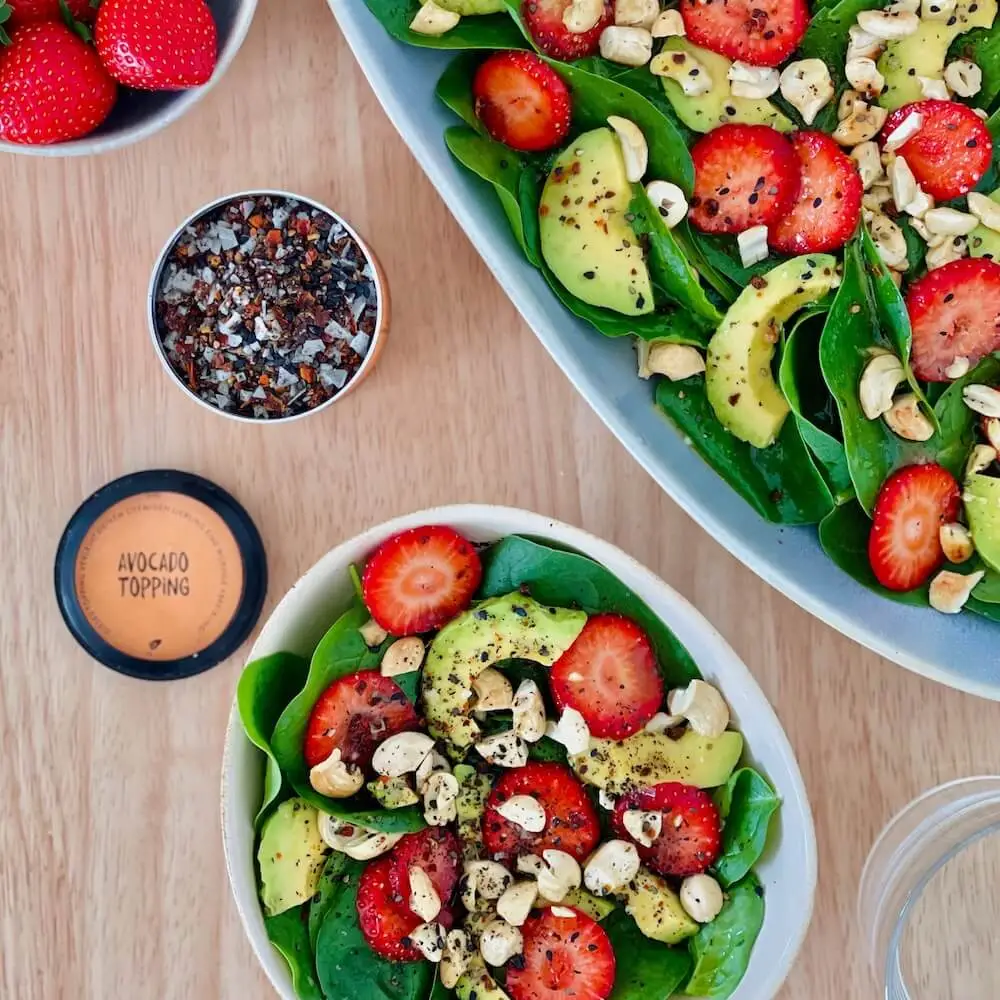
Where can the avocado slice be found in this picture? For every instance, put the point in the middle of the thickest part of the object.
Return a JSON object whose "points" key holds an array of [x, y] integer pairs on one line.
{"points": [[595, 907], [478, 984], [470, 8], [985, 242], [718, 106], [924, 52], [739, 382], [392, 793], [982, 508], [586, 239], [473, 791], [656, 909], [618, 766], [291, 856], [497, 629]]}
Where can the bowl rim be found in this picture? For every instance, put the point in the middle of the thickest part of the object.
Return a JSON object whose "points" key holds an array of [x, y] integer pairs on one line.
{"points": [[382, 309], [88, 145], [792, 792]]}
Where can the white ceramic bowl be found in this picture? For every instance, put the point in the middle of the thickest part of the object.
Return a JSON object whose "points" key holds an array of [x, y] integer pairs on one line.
{"points": [[788, 870], [959, 651]]}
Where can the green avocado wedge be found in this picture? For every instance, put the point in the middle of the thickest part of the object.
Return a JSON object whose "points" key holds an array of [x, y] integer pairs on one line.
{"points": [[982, 507], [291, 856]]}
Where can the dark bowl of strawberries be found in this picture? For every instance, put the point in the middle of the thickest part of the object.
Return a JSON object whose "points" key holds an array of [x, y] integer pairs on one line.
{"points": [[87, 76]]}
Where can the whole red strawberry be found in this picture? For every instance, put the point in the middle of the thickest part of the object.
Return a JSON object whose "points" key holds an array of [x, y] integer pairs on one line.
{"points": [[29, 11], [157, 44], [52, 86]]}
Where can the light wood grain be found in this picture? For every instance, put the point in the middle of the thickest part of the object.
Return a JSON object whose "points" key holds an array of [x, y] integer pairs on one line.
{"points": [[112, 882]]}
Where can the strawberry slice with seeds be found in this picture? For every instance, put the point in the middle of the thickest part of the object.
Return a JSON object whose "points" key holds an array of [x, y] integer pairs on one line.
{"points": [[544, 20], [384, 915], [759, 32], [571, 823], [690, 833], [564, 956], [952, 150], [828, 207], [954, 313], [419, 579], [610, 676], [355, 714], [437, 851], [745, 175], [522, 101], [904, 547]]}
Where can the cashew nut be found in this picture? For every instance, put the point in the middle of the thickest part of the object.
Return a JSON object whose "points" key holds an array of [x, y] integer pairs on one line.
{"points": [[403, 656], [691, 74], [433, 20], [949, 591], [611, 867], [571, 731], [634, 149], [956, 542], [964, 77], [703, 706], [701, 897], [661, 722], [982, 399], [866, 156], [516, 902], [669, 23], [906, 420], [431, 764], [493, 691], [958, 367], [556, 872], [637, 13], [753, 81], [424, 899], [500, 942], [949, 222], [353, 840], [524, 811], [456, 958], [627, 46], [980, 459], [903, 132], [904, 184], [402, 753], [675, 361], [440, 799], [373, 633], [429, 940], [643, 827], [335, 779], [848, 102], [919, 206], [752, 245], [945, 251], [888, 24], [878, 384], [863, 123], [505, 749], [864, 76], [992, 430], [582, 16], [483, 880], [986, 210], [807, 86], [668, 199], [933, 89], [888, 239], [862, 45]]}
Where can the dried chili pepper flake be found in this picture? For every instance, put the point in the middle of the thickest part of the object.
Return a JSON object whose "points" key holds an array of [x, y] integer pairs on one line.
{"points": [[266, 307]]}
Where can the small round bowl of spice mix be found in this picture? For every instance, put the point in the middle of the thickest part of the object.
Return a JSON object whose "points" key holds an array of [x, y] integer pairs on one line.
{"points": [[267, 306]]}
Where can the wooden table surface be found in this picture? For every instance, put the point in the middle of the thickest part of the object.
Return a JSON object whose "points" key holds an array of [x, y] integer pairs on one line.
{"points": [[112, 882]]}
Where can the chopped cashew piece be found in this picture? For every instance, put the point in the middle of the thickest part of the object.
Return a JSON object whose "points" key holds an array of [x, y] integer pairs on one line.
{"points": [[335, 779], [429, 940], [433, 20], [986, 210], [643, 827], [933, 89], [904, 184], [431, 764], [637, 13], [661, 722], [505, 749], [353, 840], [493, 691], [888, 24], [863, 123], [563, 912], [611, 867], [903, 132], [626, 46], [634, 149], [556, 872], [455, 960], [992, 430], [753, 81], [862, 45], [571, 731], [516, 902], [668, 199], [949, 222], [403, 656], [703, 706], [401, 754], [863, 75], [752, 244], [920, 205], [906, 420], [866, 156], [956, 542], [669, 23], [889, 240], [982, 399], [944, 252], [440, 799], [373, 633], [701, 897], [949, 591], [807, 86], [424, 899], [500, 942], [958, 367], [964, 77], [848, 102], [582, 16], [524, 811], [529, 712], [675, 361], [483, 880], [980, 459], [693, 77]]}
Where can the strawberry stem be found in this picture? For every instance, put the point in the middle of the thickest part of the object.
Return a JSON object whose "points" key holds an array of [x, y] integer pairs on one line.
{"points": [[5, 14], [77, 27]]}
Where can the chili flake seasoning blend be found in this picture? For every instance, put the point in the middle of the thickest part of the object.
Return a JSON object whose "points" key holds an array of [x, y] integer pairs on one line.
{"points": [[266, 307]]}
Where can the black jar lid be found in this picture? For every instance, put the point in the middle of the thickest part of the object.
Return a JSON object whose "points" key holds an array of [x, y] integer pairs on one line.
{"points": [[160, 575]]}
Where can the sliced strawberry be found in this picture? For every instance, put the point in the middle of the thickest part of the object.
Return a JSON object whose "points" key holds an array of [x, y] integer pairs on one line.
{"points": [[564, 956], [356, 713], [544, 19], [609, 675], [828, 207], [745, 175], [951, 151], [437, 851], [759, 32], [419, 579], [384, 916], [904, 547], [690, 831], [955, 313], [570, 819], [522, 101]]}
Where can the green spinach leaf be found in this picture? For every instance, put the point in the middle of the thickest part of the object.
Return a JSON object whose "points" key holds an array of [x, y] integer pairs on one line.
{"points": [[646, 969], [454, 88], [288, 933], [721, 950], [492, 31], [265, 688], [567, 579], [981, 46], [957, 421], [747, 802], [988, 589], [326, 892]]}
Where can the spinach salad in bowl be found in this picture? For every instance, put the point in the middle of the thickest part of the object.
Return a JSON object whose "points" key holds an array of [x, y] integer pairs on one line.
{"points": [[500, 776], [793, 211]]}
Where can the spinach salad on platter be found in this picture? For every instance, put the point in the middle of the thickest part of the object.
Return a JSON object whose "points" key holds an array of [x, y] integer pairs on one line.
{"points": [[792, 212], [501, 776]]}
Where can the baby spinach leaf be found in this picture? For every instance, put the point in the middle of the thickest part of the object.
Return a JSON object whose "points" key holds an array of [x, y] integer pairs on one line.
{"points": [[566, 579], [439, 991], [747, 803], [988, 589], [780, 482], [983, 608], [957, 421], [491, 31], [265, 688], [722, 253], [288, 933], [646, 969], [721, 949], [981, 46], [341, 651], [326, 892], [348, 969], [715, 268], [916, 248], [454, 87]]}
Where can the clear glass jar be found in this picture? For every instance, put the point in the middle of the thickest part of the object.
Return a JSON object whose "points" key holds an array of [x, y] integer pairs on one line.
{"points": [[929, 899]]}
